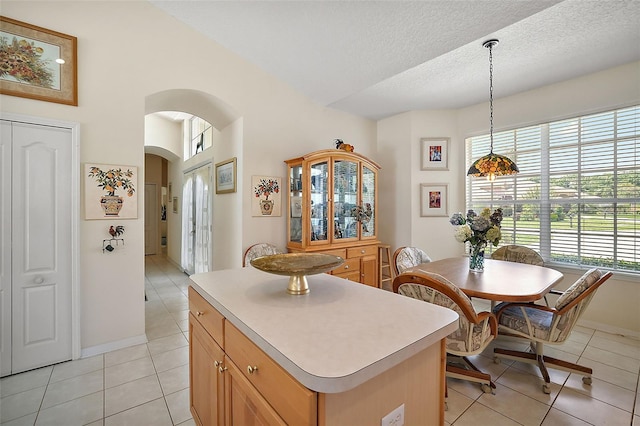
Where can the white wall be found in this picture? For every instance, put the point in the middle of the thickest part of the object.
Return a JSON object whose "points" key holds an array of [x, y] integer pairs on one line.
{"points": [[127, 52]]}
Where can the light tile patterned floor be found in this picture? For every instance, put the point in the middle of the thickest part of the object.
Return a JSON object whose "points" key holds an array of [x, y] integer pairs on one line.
{"points": [[148, 384]]}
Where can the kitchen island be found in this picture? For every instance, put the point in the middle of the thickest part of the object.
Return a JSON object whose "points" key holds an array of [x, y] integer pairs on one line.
{"points": [[345, 353]]}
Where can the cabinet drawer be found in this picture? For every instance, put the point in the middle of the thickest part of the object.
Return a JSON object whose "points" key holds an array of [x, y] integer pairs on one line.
{"points": [[339, 252], [361, 251], [349, 266], [205, 314], [294, 403]]}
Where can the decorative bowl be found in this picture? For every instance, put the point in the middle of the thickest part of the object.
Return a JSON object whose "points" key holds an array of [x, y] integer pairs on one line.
{"points": [[297, 266]]}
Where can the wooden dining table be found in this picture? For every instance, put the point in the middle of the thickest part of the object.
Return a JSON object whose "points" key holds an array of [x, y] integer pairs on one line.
{"points": [[500, 281]]}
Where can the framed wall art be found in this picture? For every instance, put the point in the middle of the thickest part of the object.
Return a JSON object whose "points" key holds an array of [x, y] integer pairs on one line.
{"points": [[38, 63], [110, 191], [434, 198], [435, 153], [266, 196], [226, 176]]}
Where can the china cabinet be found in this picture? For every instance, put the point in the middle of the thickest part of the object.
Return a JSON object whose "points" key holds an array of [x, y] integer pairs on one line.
{"points": [[332, 208]]}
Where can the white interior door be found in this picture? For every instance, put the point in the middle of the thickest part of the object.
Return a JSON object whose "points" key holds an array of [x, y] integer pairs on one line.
{"points": [[41, 245], [196, 221], [151, 214], [5, 248]]}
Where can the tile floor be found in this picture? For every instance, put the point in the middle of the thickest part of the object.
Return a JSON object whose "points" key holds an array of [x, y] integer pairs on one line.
{"points": [[148, 384]]}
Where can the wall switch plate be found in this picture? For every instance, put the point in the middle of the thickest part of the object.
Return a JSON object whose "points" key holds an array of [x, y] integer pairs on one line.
{"points": [[394, 418]]}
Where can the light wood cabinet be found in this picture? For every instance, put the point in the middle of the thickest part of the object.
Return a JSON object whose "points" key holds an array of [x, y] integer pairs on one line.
{"points": [[235, 382], [221, 393], [206, 359], [332, 208]]}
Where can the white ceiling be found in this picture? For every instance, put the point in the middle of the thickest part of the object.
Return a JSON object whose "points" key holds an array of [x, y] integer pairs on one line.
{"points": [[380, 58]]}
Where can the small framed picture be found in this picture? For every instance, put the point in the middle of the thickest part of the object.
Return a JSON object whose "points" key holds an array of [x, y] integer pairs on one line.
{"points": [[434, 198], [435, 153], [226, 176]]}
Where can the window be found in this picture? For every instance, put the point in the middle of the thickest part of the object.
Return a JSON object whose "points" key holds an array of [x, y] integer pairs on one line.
{"points": [[198, 136], [576, 199]]}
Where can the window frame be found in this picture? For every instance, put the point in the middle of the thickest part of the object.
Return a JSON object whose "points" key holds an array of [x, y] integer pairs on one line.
{"points": [[551, 205]]}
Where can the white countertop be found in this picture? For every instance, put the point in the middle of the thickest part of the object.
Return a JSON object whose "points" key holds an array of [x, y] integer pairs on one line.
{"points": [[336, 337]]}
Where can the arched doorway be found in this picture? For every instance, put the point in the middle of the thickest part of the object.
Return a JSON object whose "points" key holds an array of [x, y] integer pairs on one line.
{"points": [[226, 228]]}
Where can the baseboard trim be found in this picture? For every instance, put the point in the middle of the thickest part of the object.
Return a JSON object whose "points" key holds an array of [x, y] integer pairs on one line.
{"points": [[113, 346], [609, 329]]}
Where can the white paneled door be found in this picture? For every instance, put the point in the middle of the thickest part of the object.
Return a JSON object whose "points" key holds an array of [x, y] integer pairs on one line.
{"points": [[36, 238]]}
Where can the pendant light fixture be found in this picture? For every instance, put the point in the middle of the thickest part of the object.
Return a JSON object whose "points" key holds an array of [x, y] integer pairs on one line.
{"points": [[492, 165]]}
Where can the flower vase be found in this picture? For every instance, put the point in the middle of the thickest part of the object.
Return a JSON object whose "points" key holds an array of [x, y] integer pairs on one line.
{"points": [[266, 207], [476, 258]]}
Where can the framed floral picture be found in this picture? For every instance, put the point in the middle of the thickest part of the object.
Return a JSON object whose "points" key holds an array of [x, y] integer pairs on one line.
{"points": [[110, 191], [37, 63], [226, 176], [434, 198], [435, 153], [266, 196]]}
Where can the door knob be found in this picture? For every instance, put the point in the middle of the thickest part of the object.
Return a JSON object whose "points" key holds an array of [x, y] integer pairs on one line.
{"points": [[38, 280]]}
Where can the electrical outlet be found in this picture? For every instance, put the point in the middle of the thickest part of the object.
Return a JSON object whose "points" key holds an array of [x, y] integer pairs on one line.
{"points": [[394, 418]]}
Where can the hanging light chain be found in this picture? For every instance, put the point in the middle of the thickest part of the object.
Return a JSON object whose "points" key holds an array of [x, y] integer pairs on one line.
{"points": [[490, 45]]}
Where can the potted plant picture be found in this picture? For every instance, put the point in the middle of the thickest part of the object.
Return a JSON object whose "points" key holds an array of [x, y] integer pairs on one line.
{"points": [[113, 181], [264, 188]]}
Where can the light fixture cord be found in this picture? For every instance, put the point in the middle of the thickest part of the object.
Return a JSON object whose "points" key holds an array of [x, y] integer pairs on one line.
{"points": [[491, 94]]}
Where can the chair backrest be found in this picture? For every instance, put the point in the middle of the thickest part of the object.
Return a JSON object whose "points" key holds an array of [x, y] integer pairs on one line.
{"points": [[574, 301], [474, 330], [518, 254], [257, 250], [408, 257]]}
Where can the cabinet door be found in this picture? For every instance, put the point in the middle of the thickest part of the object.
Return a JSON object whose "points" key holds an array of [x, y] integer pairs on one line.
{"points": [[243, 403], [368, 202], [369, 270], [345, 200], [319, 200], [295, 204], [207, 383]]}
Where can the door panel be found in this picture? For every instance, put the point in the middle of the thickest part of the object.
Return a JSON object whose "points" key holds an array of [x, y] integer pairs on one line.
{"points": [[41, 246], [5, 248], [151, 214]]}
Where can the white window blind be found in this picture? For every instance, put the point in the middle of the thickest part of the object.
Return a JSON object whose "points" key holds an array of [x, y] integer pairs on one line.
{"points": [[576, 199]]}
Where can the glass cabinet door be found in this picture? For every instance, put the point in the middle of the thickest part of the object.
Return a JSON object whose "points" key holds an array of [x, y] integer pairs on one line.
{"points": [[319, 174], [345, 199], [368, 202], [295, 197]]}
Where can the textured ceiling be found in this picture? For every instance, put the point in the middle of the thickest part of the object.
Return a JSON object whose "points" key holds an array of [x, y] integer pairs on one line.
{"points": [[380, 58]]}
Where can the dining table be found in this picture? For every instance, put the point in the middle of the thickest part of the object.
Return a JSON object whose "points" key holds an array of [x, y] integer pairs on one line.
{"points": [[501, 280]]}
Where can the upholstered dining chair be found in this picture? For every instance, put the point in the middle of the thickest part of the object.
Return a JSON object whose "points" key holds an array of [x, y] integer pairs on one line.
{"points": [[475, 330], [519, 254], [408, 257], [548, 325], [257, 250]]}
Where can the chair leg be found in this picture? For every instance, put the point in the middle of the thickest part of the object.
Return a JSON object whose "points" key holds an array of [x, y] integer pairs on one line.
{"points": [[542, 361], [471, 373]]}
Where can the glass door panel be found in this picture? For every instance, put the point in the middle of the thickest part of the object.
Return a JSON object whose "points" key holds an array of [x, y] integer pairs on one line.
{"points": [[368, 202], [345, 199], [319, 201], [295, 199]]}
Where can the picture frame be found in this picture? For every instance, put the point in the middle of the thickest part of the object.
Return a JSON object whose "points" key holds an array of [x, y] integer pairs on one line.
{"points": [[226, 176], [435, 153], [434, 199], [110, 191], [52, 54], [266, 196]]}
